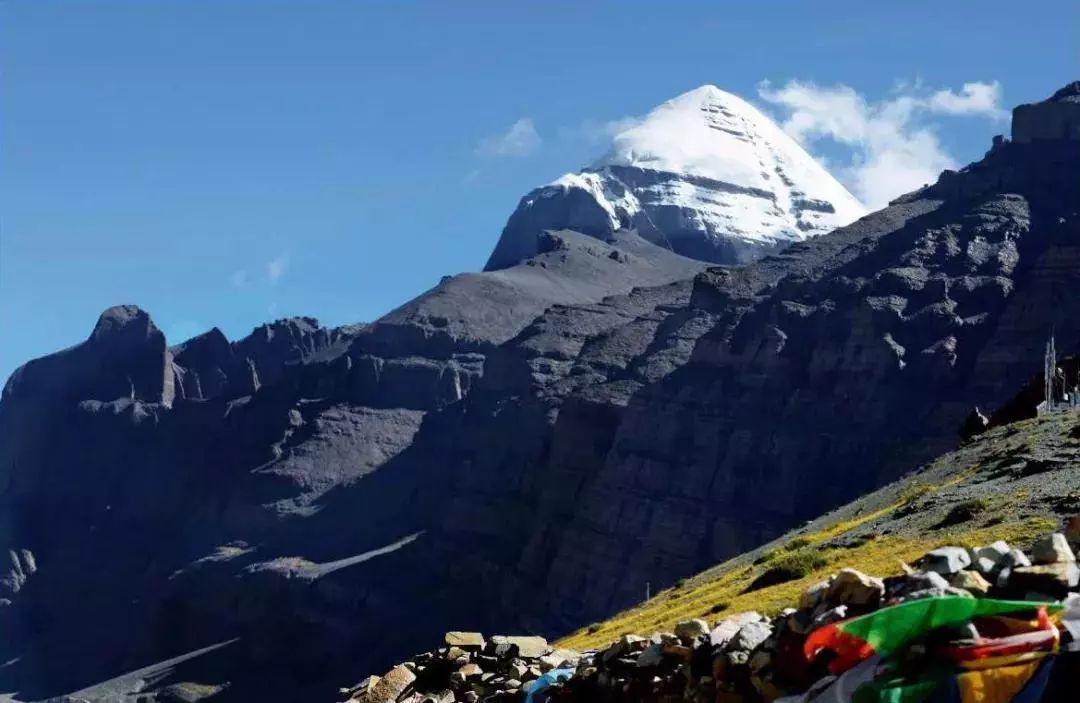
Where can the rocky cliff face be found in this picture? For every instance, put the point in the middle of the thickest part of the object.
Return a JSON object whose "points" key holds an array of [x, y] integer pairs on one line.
{"points": [[705, 175], [141, 485], [519, 449]]}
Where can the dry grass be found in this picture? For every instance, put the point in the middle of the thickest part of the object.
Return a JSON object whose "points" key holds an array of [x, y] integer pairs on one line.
{"points": [[879, 557]]}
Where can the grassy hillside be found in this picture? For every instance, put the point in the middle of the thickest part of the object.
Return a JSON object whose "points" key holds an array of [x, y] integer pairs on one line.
{"points": [[1014, 483]]}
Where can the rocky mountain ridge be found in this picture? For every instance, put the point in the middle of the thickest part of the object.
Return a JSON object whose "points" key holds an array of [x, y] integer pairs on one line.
{"points": [[524, 449]]}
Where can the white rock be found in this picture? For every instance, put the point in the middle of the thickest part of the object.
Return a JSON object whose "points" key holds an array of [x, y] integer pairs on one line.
{"points": [[1052, 549], [727, 628], [947, 560], [751, 635]]}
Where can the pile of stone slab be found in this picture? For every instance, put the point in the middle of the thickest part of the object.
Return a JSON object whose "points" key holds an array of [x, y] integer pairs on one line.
{"points": [[749, 657], [468, 668]]}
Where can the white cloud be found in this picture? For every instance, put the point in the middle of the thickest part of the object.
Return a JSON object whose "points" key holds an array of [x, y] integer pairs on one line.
{"points": [[277, 268], [239, 279], [891, 150], [520, 140], [973, 99]]}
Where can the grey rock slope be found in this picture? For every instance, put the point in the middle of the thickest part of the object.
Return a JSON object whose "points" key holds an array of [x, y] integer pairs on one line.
{"points": [[141, 484], [517, 450]]}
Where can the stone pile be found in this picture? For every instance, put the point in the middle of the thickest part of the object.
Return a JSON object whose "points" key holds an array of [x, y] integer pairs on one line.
{"points": [[741, 658], [468, 668]]}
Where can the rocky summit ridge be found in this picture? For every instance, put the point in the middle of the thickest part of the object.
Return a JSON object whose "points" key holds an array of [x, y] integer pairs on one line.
{"points": [[515, 450], [705, 174]]}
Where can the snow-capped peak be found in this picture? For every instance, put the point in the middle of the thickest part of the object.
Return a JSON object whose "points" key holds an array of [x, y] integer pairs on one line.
{"points": [[714, 134], [705, 174]]}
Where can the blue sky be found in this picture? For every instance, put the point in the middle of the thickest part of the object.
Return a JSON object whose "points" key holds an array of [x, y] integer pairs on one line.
{"points": [[231, 162]]}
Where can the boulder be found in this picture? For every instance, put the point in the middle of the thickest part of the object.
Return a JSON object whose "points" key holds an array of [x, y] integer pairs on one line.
{"points": [[362, 689], [727, 628], [1052, 549], [1052, 580], [947, 560], [528, 646], [853, 587], [558, 659], [971, 581], [627, 644], [814, 595], [751, 635], [465, 640], [689, 630], [918, 581], [989, 560], [1015, 558], [390, 687], [652, 655], [466, 672]]}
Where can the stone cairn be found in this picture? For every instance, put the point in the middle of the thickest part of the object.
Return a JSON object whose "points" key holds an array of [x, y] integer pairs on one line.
{"points": [[742, 658]]}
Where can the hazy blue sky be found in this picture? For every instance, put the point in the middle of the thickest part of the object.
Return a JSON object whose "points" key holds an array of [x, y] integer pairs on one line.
{"points": [[229, 162]]}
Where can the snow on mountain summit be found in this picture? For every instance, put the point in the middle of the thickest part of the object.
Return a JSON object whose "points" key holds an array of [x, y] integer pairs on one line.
{"points": [[705, 174], [709, 132]]}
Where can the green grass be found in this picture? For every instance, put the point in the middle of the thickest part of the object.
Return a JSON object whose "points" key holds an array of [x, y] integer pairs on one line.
{"points": [[790, 567], [965, 512], [728, 587]]}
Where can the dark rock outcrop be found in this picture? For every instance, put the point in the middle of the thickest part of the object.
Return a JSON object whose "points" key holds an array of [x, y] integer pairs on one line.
{"points": [[1053, 120]]}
